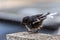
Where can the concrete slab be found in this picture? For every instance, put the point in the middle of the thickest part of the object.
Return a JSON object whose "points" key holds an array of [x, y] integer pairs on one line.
{"points": [[27, 36]]}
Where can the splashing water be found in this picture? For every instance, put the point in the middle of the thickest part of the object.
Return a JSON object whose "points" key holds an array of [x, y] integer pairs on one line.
{"points": [[52, 15]]}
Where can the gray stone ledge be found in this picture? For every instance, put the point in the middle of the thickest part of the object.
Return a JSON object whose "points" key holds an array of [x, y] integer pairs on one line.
{"points": [[27, 36]]}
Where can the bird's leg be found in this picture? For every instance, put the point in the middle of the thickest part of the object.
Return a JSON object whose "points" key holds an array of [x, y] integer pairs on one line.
{"points": [[40, 27], [28, 28]]}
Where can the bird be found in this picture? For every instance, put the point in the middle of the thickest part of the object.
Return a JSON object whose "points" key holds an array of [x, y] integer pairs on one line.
{"points": [[34, 23]]}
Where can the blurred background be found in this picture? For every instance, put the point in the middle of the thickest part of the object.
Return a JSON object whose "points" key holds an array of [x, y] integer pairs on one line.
{"points": [[19, 6], [14, 3]]}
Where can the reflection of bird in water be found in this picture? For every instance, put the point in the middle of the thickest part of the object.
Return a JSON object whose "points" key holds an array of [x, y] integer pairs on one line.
{"points": [[34, 23]]}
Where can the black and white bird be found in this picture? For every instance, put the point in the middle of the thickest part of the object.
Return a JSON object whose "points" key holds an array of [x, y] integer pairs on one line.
{"points": [[34, 23]]}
